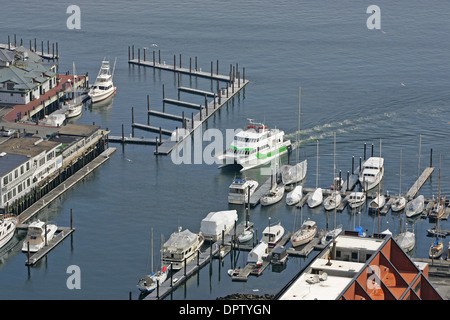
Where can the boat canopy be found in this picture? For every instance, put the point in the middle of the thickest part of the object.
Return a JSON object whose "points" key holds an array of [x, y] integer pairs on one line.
{"points": [[215, 222]]}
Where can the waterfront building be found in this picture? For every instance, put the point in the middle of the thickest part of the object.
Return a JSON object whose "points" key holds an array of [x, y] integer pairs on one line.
{"points": [[24, 76], [24, 163], [362, 268]]}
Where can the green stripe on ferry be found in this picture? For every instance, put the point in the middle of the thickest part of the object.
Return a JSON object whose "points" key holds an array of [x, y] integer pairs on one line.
{"points": [[271, 154]]}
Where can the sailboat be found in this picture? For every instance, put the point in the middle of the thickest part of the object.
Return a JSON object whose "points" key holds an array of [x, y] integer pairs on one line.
{"points": [[74, 107], [292, 174], [316, 198], [335, 198], [438, 209], [399, 203], [305, 234], [149, 282], [436, 249], [406, 240], [274, 195]]}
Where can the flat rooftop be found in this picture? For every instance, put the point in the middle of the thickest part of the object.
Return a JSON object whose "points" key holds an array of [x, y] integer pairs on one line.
{"points": [[9, 162], [339, 273], [82, 130], [28, 146]]}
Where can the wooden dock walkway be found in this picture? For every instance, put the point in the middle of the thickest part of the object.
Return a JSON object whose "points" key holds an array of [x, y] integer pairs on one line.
{"points": [[259, 192], [412, 192], [233, 84], [60, 234]]}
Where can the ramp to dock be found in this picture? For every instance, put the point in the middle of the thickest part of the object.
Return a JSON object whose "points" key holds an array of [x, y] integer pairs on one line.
{"points": [[419, 183]]}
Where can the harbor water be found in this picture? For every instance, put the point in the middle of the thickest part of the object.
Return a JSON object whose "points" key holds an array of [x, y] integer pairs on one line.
{"points": [[387, 87]]}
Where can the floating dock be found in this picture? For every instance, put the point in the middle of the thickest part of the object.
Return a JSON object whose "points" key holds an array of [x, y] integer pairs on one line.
{"points": [[60, 234], [233, 84]]}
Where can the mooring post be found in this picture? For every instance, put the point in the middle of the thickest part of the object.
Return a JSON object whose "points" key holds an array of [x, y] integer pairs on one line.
{"points": [[159, 56], [192, 121], [353, 165], [144, 53], [196, 61], [190, 65], [45, 226], [156, 143], [139, 55], [123, 134], [431, 157], [28, 251], [174, 62], [185, 266], [71, 219], [372, 151], [132, 50], [348, 177], [243, 74], [206, 105], [132, 115], [360, 160], [180, 61], [160, 134], [148, 103], [154, 59], [217, 67], [211, 69]]}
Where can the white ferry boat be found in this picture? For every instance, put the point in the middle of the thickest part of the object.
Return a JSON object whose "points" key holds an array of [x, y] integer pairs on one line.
{"points": [[255, 146], [103, 87], [181, 247]]}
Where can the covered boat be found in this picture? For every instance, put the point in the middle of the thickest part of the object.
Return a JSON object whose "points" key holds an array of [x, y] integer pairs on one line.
{"points": [[215, 222], [294, 196], [415, 207], [258, 253], [291, 174], [315, 199], [406, 240]]}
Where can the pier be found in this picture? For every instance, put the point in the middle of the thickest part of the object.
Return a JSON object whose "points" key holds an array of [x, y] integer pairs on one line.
{"points": [[60, 234], [45, 54], [64, 186], [233, 84]]}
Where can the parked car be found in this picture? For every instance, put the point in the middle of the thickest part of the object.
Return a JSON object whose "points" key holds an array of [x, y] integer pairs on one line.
{"points": [[8, 132]]}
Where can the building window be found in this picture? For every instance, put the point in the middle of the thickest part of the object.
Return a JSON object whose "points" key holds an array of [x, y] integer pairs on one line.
{"points": [[28, 182], [16, 173], [41, 162], [5, 180], [28, 166], [354, 255], [21, 170]]}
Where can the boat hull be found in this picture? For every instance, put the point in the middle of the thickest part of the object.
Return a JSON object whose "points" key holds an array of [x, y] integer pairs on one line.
{"points": [[4, 239], [100, 96]]}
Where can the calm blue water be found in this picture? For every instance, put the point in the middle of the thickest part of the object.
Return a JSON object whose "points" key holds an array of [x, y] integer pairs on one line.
{"points": [[351, 85]]}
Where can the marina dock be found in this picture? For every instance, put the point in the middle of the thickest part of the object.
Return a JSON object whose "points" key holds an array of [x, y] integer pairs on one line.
{"points": [[233, 84], [60, 234], [45, 54]]}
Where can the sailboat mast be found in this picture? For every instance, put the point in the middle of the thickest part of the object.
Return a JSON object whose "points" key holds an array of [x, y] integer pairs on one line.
{"points": [[317, 166], [299, 112]]}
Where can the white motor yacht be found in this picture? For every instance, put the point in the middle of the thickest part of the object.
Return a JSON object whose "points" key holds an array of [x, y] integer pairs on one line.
{"points": [[38, 233], [7, 227], [103, 87], [240, 190], [371, 172], [356, 199], [181, 247]]}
